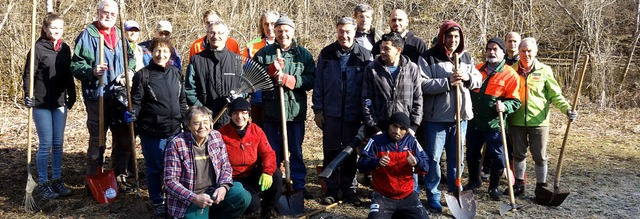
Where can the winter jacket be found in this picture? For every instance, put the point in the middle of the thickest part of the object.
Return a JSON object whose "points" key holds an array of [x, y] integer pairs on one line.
{"points": [[297, 62], [158, 100], [174, 59], [382, 96], [53, 84], [413, 47], [249, 152], [210, 78], [338, 93], [138, 55], [85, 59], [202, 44], [252, 47], [439, 95], [538, 89], [395, 180], [502, 84]]}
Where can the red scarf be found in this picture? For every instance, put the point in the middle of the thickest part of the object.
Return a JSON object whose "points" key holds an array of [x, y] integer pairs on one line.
{"points": [[56, 45], [110, 38]]}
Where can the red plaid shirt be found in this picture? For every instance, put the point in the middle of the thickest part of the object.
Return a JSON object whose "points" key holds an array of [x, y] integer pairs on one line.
{"points": [[180, 169]]}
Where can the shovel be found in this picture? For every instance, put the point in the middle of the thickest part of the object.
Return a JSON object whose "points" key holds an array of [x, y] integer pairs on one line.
{"points": [[504, 208], [461, 203], [555, 198]]}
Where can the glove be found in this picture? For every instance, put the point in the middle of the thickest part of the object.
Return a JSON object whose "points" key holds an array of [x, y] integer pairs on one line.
{"points": [[572, 115], [28, 102], [319, 119], [265, 181], [129, 117], [275, 66], [285, 80]]}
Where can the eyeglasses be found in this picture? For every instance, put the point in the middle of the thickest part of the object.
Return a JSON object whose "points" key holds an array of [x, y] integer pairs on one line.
{"points": [[201, 123], [112, 14]]}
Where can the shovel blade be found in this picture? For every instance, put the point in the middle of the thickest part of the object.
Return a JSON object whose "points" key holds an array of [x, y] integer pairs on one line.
{"points": [[291, 203], [463, 206], [548, 198]]}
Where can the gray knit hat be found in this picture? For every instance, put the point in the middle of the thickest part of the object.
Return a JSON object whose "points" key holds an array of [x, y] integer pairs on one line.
{"points": [[284, 20]]}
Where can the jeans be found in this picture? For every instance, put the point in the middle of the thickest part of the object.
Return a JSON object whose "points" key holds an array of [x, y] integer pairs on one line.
{"points": [[50, 124], [439, 136], [408, 207], [295, 135], [153, 151]]}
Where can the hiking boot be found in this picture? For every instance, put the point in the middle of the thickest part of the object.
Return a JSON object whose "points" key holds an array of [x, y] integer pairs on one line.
{"points": [[59, 187], [518, 188], [159, 210], [327, 200], [495, 195], [47, 191], [435, 206], [268, 214]]}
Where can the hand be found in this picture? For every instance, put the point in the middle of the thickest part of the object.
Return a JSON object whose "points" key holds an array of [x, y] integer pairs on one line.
{"points": [[572, 115], [121, 79], [28, 102], [411, 132], [129, 117], [203, 200], [99, 70], [265, 181], [384, 160], [411, 159], [275, 67], [499, 106], [319, 119], [218, 195], [458, 77]]}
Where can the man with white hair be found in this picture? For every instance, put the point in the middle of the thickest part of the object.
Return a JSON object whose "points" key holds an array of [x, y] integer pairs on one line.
{"points": [[413, 46], [86, 67], [163, 30]]}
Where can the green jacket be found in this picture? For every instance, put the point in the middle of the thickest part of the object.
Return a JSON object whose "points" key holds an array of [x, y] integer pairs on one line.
{"points": [[299, 63], [537, 90]]}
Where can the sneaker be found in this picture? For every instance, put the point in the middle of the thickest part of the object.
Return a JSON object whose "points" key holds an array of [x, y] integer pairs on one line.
{"points": [[159, 210], [495, 195], [327, 200], [47, 191], [518, 188], [268, 214], [435, 206], [59, 187]]}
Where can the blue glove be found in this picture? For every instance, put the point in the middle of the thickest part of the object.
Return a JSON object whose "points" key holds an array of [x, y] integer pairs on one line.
{"points": [[572, 115], [129, 117], [28, 102]]}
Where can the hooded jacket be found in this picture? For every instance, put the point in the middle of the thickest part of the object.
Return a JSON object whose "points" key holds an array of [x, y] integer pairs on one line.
{"points": [[52, 79]]}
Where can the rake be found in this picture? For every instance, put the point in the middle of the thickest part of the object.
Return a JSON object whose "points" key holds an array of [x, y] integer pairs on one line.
{"points": [[30, 204]]}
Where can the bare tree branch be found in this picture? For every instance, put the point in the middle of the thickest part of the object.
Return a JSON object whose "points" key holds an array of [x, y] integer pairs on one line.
{"points": [[566, 11], [6, 15], [636, 36]]}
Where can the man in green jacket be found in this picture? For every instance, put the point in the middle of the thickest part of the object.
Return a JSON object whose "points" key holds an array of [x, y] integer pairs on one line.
{"points": [[529, 125]]}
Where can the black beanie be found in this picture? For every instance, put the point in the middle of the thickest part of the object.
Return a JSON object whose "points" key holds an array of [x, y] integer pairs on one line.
{"points": [[401, 119], [239, 104], [499, 41]]}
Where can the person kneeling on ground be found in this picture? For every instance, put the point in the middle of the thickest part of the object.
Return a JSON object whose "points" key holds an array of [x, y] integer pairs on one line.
{"points": [[252, 159], [192, 160], [390, 158]]}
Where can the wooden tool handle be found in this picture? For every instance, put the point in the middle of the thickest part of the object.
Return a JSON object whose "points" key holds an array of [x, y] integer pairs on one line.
{"points": [[456, 60], [101, 135], [285, 141]]}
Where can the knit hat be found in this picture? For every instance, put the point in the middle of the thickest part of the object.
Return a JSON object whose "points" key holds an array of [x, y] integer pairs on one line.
{"points": [[130, 24], [401, 119], [285, 20], [239, 104], [499, 41], [164, 26]]}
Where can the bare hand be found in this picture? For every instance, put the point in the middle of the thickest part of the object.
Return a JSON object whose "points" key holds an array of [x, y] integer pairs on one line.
{"points": [[411, 159], [219, 195], [499, 106], [458, 76], [384, 160], [203, 200], [99, 70]]}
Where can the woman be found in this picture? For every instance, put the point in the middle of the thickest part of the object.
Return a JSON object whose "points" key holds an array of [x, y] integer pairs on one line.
{"points": [[53, 94], [159, 104]]}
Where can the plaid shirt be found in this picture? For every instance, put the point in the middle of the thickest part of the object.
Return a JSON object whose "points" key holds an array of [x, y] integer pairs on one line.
{"points": [[180, 169]]}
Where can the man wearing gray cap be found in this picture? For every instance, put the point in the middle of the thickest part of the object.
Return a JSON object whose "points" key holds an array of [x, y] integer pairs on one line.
{"points": [[295, 73], [163, 29]]}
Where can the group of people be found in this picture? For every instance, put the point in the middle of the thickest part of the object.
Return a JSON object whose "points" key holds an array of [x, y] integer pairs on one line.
{"points": [[394, 86]]}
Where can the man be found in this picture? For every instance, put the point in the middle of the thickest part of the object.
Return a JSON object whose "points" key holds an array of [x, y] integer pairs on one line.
{"points": [[336, 100], [294, 72], [391, 83], [414, 46], [513, 40], [366, 36], [86, 67], [529, 125], [132, 28], [440, 78], [392, 158], [201, 44], [498, 93], [211, 73], [163, 29], [197, 173]]}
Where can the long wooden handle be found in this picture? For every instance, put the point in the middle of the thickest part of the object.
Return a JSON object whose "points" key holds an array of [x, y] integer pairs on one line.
{"points": [[556, 181], [101, 140], [456, 60], [307, 215], [32, 57], [285, 141], [506, 158]]}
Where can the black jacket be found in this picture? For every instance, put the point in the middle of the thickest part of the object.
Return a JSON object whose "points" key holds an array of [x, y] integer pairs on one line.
{"points": [[52, 79], [413, 47], [158, 100]]}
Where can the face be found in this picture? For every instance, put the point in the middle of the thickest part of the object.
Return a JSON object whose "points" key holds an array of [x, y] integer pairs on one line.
{"points": [[217, 37], [200, 126], [452, 40], [212, 18], [494, 53], [107, 16], [284, 35], [55, 30], [363, 19], [388, 52], [527, 52], [133, 35], [513, 40], [161, 55], [240, 118], [396, 132], [346, 34], [163, 34], [268, 26], [398, 21]]}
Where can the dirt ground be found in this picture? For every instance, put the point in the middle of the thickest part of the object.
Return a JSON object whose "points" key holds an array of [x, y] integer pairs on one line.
{"points": [[600, 170]]}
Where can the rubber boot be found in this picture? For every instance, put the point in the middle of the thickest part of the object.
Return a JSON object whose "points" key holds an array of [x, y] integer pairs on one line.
{"points": [[474, 177], [494, 182]]}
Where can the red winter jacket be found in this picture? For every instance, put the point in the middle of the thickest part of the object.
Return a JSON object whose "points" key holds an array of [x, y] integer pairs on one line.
{"points": [[245, 153]]}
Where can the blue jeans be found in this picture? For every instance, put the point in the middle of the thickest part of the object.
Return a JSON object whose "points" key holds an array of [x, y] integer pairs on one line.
{"points": [[153, 151], [295, 135], [439, 136], [50, 125]]}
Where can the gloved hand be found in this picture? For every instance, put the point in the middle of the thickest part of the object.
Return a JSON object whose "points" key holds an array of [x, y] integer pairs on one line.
{"points": [[28, 102], [319, 119], [285, 80], [265, 181], [572, 115], [275, 66], [129, 117]]}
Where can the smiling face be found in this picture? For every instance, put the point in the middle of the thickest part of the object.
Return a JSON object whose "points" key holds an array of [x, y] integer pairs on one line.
{"points": [[200, 126], [217, 35], [55, 30], [389, 53], [240, 118], [528, 51], [268, 26], [346, 35], [107, 15], [133, 35], [452, 40], [284, 35], [161, 55], [398, 21]]}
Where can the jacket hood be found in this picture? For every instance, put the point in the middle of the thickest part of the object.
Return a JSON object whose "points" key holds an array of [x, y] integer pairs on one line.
{"points": [[448, 24]]}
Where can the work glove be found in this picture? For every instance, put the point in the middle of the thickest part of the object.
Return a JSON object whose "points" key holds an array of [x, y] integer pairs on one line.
{"points": [[319, 119], [28, 102], [285, 80], [572, 115], [129, 117], [265, 181], [276, 66]]}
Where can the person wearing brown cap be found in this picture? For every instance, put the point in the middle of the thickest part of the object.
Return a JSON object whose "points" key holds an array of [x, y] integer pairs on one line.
{"points": [[163, 30], [295, 73]]}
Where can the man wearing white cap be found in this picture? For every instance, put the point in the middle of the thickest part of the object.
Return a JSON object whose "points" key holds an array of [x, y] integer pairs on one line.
{"points": [[163, 29]]}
